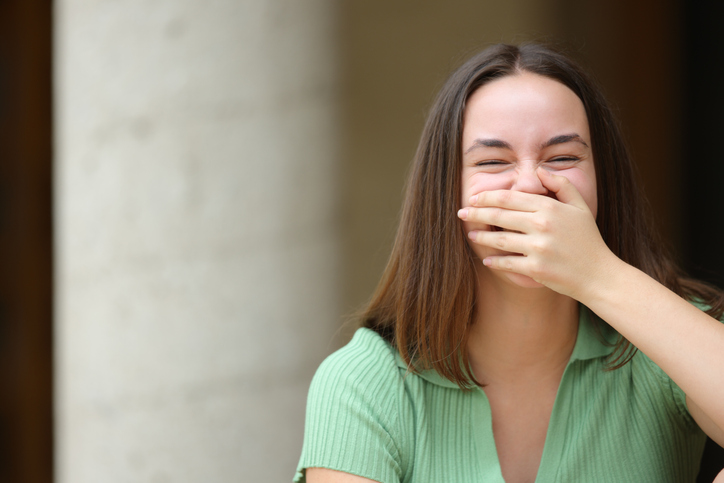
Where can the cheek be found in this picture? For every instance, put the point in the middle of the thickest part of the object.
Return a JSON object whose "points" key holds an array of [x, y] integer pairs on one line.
{"points": [[585, 183], [479, 182]]}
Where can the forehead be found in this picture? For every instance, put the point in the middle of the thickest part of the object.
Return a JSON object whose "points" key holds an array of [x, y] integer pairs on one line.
{"points": [[523, 106]]}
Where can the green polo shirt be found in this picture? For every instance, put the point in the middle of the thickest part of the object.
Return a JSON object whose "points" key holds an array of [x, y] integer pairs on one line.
{"points": [[366, 415]]}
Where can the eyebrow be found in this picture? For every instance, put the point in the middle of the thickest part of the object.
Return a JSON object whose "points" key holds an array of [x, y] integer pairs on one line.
{"points": [[489, 143], [499, 143], [564, 138]]}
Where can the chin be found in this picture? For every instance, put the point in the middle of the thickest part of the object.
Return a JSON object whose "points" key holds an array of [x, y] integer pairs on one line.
{"points": [[523, 281]]}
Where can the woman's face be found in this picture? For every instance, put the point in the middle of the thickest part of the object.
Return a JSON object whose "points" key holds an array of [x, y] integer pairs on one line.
{"points": [[515, 126]]}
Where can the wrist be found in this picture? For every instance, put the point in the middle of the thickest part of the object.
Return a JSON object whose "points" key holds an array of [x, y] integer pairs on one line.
{"points": [[604, 285]]}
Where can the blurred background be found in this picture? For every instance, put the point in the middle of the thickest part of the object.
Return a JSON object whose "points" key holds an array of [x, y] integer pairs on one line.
{"points": [[195, 195]]}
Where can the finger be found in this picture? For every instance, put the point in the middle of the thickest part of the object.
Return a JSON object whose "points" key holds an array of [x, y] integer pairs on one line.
{"points": [[565, 191], [508, 199], [503, 240], [507, 219], [515, 264]]}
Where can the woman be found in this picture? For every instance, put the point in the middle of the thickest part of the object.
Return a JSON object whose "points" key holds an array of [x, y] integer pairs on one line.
{"points": [[484, 355]]}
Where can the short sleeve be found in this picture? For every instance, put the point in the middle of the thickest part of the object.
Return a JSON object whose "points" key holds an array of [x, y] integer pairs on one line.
{"points": [[353, 413], [674, 395]]}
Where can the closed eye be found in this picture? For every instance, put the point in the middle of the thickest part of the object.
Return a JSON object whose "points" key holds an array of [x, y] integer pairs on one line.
{"points": [[564, 159], [490, 162]]}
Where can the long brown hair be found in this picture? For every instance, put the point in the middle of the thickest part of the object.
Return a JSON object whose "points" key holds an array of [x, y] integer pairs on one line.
{"points": [[425, 302]]}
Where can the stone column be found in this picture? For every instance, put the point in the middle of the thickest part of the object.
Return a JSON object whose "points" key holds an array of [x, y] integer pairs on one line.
{"points": [[196, 245]]}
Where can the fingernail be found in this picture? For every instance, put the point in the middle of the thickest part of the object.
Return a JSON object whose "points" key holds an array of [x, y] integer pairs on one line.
{"points": [[473, 199], [463, 214], [487, 262], [472, 235]]}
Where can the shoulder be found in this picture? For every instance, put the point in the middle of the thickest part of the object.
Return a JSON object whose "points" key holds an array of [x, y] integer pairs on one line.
{"points": [[653, 384], [651, 380], [367, 351], [357, 416], [367, 363]]}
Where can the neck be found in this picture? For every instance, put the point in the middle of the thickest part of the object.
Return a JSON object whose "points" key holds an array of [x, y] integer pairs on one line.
{"points": [[521, 334]]}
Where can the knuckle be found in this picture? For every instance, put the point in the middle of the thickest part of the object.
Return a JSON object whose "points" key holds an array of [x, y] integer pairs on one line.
{"points": [[504, 196], [542, 224], [501, 241], [497, 214], [471, 215], [482, 199], [539, 246], [536, 269]]}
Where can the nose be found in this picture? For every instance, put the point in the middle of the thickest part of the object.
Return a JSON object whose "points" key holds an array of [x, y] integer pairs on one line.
{"points": [[527, 180]]}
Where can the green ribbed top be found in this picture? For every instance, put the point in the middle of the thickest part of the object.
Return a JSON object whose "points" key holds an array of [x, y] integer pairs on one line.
{"points": [[368, 416]]}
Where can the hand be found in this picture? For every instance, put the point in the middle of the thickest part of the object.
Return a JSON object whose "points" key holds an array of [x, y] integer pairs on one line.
{"points": [[559, 240]]}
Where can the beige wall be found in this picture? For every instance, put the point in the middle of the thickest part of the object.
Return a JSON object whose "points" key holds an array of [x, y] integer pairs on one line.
{"points": [[394, 57]]}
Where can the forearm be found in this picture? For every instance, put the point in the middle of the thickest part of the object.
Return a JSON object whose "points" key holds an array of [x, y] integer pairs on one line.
{"points": [[681, 339]]}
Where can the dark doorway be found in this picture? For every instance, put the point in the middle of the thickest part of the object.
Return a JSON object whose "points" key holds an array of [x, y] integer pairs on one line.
{"points": [[662, 65], [702, 161], [26, 432]]}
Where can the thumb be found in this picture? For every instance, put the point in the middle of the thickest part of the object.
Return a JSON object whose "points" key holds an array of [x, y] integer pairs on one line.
{"points": [[565, 191]]}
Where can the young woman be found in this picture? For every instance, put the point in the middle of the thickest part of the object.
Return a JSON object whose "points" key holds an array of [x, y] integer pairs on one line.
{"points": [[527, 327]]}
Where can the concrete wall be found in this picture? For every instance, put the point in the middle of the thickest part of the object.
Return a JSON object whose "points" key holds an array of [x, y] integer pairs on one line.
{"points": [[197, 254]]}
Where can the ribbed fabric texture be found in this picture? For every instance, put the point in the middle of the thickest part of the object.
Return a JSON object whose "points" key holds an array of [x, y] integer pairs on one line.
{"points": [[366, 415]]}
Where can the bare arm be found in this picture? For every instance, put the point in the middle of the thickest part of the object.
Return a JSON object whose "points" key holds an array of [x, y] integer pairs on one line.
{"points": [[706, 424], [324, 475], [719, 478]]}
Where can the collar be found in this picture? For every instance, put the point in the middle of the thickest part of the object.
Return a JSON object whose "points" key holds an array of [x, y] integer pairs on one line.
{"points": [[591, 330], [589, 345]]}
